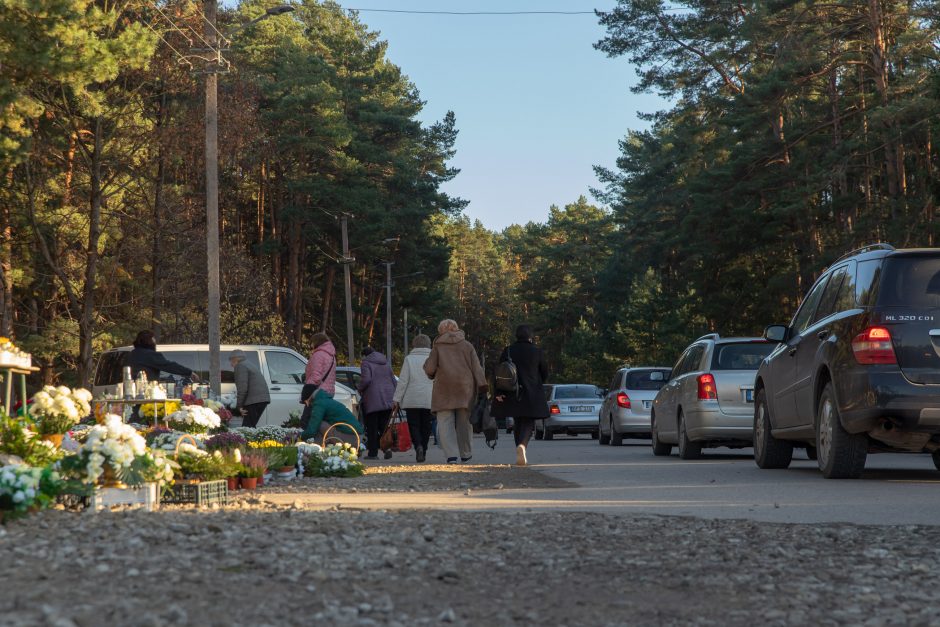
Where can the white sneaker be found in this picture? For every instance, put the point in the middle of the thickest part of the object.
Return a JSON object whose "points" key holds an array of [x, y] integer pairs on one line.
{"points": [[520, 455]]}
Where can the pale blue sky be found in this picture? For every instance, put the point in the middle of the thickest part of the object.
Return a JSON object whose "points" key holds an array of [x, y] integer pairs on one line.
{"points": [[537, 106]]}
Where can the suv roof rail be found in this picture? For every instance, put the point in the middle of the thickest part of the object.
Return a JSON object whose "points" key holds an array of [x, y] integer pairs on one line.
{"points": [[865, 249], [710, 336]]}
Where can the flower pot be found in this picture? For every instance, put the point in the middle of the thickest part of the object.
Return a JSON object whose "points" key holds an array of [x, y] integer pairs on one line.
{"points": [[232, 483], [265, 477], [286, 472], [55, 438], [249, 483], [109, 478]]}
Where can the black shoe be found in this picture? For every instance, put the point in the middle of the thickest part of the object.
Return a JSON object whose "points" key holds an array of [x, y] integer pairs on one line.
{"points": [[419, 454], [388, 454], [466, 459]]}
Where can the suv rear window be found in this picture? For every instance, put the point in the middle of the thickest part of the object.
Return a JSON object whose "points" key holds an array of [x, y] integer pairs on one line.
{"points": [[740, 356], [640, 380], [575, 391], [910, 282]]}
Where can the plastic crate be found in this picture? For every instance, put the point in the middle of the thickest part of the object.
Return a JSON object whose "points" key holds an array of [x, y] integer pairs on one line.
{"points": [[200, 493]]}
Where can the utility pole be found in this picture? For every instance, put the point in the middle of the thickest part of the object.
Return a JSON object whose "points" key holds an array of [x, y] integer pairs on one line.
{"points": [[347, 280], [406, 332], [212, 201], [388, 310]]}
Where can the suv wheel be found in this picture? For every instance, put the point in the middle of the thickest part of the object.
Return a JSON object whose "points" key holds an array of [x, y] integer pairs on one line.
{"points": [[660, 449], [616, 438], [687, 448], [769, 452], [841, 454], [936, 459]]}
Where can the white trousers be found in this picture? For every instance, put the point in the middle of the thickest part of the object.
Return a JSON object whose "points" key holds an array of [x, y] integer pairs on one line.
{"points": [[455, 433]]}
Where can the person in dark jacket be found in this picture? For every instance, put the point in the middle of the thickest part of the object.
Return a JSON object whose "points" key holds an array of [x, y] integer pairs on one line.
{"points": [[324, 412], [530, 404], [145, 357], [250, 387], [377, 387]]}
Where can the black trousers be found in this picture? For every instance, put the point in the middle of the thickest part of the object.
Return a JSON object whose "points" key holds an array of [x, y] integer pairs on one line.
{"points": [[419, 424], [376, 422], [254, 414], [522, 430]]}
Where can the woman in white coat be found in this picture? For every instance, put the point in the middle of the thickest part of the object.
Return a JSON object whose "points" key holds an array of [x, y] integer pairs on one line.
{"points": [[413, 394]]}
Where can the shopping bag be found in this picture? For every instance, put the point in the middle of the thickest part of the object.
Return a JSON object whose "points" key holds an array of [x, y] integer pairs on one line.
{"points": [[404, 435]]}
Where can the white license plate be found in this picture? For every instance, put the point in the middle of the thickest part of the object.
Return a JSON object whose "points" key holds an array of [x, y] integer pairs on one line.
{"points": [[580, 408], [647, 404], [748, 396]]}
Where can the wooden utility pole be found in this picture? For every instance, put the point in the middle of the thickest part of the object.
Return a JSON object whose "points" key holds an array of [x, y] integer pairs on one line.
{"points": [[347, 282]]}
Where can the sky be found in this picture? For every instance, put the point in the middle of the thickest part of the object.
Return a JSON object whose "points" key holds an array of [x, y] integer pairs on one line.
{"points": [[536, 105]]}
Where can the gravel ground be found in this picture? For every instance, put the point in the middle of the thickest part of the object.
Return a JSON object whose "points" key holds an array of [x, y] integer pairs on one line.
{"points": [[257, 563], [395, 477]]}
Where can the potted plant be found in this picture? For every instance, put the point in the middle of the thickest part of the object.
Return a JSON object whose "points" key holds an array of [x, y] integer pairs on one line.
{"points": [[287, 462], [55, 410], [253, 467]]}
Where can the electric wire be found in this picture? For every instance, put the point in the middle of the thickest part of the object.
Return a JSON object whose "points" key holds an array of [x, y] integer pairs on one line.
{"points": [[182, 58], [415, 12], [174, 25]]}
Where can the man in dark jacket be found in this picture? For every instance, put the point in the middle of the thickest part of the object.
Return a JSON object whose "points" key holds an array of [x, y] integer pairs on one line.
{"points": [[530, 404], [250, 387], [145, 357]]}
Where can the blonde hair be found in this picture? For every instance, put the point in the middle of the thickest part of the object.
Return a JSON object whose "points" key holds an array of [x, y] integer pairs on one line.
{"points": [[447, 325]]}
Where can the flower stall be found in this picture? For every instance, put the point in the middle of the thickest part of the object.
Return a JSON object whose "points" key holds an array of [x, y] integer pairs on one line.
{"points": [[15, 365]]}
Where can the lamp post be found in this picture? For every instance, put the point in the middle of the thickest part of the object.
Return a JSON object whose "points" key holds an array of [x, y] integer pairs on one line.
{"points": [[212, 180]]}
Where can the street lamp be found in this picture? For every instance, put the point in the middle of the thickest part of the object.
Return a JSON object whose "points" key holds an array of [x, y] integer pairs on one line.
{"points": [[212, 180]]}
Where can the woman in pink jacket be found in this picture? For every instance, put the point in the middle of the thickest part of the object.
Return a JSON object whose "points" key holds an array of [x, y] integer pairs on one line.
{"points": [[321, 367]]}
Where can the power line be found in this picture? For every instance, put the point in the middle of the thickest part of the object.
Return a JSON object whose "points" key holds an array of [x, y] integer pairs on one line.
{"points": [[471, 12]]}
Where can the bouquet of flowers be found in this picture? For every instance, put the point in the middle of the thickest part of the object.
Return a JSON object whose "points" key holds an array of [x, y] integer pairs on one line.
{"points": [[58, 409], [253, 465], [335, 460], [226, 442], [268, 432], [198, 464], [224, 414], [17, 440], [158, 410], [118, 449], [23, 488], [194, 419], [166, 439]]}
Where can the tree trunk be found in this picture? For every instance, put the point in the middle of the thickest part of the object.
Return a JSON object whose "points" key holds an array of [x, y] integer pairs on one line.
{"points": [[86, 323], [6, 269], [328, 298], [156, 260]]}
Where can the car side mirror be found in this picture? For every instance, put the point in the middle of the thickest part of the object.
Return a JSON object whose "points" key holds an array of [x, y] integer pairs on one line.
{"points": [[776, 333]]}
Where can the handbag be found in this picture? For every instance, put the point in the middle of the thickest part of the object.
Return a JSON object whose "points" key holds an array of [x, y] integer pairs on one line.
{"points": [[397, 436]]}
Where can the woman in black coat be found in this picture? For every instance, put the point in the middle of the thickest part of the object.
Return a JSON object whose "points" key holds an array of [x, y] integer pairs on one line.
{"points": [[530, 404]]}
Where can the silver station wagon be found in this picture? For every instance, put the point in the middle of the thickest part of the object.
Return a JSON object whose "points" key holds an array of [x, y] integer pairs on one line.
{"points": [[709, 400], [572, 410], [626, 409]]}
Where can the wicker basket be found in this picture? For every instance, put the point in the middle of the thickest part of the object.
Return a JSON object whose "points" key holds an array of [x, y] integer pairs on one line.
{"points": [[336, 439]]}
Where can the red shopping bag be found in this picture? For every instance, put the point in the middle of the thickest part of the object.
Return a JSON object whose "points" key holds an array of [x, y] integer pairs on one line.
{"points": [[404, 435]]}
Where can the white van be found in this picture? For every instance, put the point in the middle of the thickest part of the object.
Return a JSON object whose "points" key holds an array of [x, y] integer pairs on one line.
{"points": [[283, 369]]}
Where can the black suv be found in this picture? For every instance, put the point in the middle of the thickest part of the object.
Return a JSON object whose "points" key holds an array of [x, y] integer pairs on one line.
{"points": [[858, 368]]}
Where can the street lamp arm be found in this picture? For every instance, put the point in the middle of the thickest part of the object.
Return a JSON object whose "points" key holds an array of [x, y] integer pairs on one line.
{"points": [[278, 10]]}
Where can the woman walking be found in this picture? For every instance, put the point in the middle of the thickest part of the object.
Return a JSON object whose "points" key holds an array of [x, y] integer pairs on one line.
{"points": [[455, 369], [529, 404], [377, 386], [413, 394], [321, 367]]}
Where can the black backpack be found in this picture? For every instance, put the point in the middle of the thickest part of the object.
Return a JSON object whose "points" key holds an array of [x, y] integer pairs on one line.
{"points": [[506, 377]]}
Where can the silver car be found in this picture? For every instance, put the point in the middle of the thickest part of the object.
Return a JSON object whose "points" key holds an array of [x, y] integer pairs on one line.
{"points": [[709, 400], [572, 410], [625, 412]]}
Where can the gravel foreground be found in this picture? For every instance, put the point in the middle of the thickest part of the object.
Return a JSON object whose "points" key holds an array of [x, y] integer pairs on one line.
{"points": [[259, 564]]}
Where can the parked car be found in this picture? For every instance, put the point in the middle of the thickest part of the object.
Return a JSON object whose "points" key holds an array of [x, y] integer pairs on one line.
{"points": [[709, 400], [625, 412], [573, 410], [283, 369], [857, 370]]}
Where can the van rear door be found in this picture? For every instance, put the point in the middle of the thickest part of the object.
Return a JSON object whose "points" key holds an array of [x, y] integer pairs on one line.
{"points": [[909, 307]]}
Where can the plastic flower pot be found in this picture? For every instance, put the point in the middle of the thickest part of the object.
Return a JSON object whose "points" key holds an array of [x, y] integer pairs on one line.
{"points": [[286, 472], [232, 483], [249, 483], [55, 438]]}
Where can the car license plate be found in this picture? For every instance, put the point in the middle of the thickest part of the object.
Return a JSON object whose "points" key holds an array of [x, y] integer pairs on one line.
{"points": [[748, 396], [647, 404], [580, 408]]}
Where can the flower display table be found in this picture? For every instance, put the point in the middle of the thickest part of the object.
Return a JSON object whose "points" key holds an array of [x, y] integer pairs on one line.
{"points": [[8, 374], [146, 496], [123, 406]]}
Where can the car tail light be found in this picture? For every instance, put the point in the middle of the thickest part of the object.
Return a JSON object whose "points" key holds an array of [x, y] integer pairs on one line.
{"points": [[873, 346], [555, 409], [623, 400], [707, 390]]}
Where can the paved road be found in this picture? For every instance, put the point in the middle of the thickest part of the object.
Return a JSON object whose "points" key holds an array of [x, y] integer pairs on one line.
{"points": [[895, 490]]}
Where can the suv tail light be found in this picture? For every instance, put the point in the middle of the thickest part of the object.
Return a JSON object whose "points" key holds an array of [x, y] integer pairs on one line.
{"points": [[555, 409], [873, 346], [707, 390], [623, 400]]}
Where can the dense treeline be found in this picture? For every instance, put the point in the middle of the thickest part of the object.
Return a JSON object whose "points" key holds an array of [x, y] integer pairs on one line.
{"points": [[797, 131], [103, 201]]}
